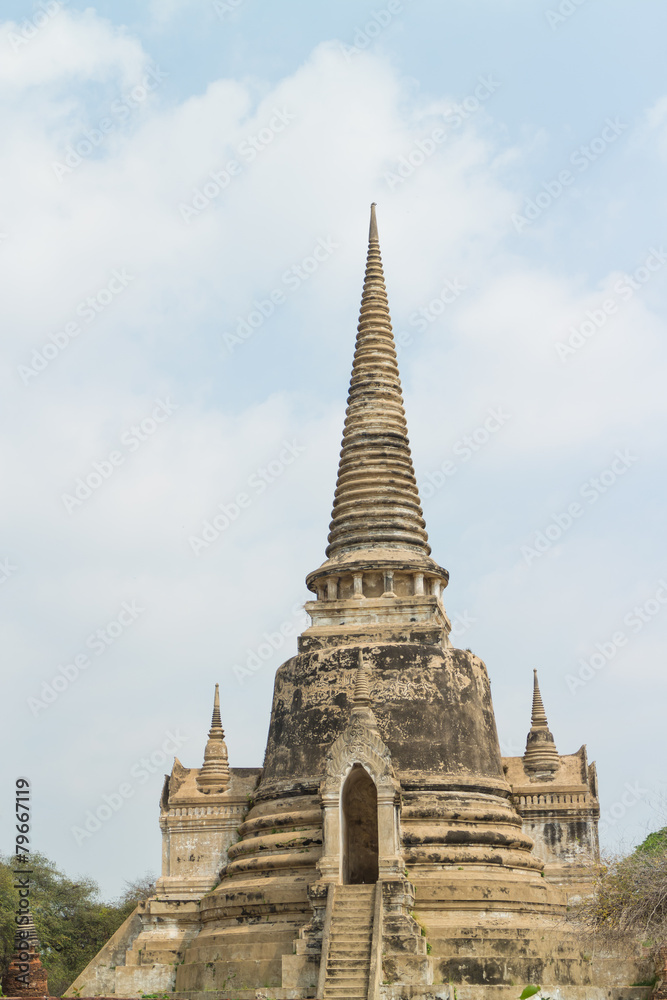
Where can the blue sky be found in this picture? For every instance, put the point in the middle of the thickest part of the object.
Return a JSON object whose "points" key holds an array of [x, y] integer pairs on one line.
{"points": [[543, 207]]}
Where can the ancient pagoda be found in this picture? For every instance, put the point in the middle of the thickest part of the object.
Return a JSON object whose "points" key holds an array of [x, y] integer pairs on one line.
{"points": [[385, 848]]}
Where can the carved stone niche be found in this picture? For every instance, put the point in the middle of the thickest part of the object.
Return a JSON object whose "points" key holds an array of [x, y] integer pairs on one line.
{"points": [[361, 803]]}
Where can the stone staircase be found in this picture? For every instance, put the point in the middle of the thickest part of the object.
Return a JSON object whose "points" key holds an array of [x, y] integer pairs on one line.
{"points": [[350, 937]]}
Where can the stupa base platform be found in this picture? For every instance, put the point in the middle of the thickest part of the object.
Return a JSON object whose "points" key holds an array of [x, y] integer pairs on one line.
{"points": [[442, 991]]}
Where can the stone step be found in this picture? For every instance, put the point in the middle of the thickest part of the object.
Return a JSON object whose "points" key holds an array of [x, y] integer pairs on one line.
{"points": [[354, 904], [360, 930], [333, 975], [344, 996], [348, 961], [351, 935], [341, 958], [346, 909], [346, 947], [345, 991], [350, 973], [347, 986], [341, 954], [354, 982]]}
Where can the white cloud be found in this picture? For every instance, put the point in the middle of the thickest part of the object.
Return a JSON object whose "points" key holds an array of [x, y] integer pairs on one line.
{"points": [[345, 126], [66, 46]]}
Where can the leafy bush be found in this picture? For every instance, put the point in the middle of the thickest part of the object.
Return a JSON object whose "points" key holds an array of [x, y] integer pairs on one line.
{"points": [[630, 893]]}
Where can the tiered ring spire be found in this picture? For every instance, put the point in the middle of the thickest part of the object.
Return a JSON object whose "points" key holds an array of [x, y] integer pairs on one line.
{"points": [[214, 775], [378, 546], [376, 501], [541, 755]]}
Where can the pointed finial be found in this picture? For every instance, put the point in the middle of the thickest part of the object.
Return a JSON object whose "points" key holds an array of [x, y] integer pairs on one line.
{"points": [[362, 690], [216, 722], [214, 774], [538, 716], [541, 756], [373, 231]]}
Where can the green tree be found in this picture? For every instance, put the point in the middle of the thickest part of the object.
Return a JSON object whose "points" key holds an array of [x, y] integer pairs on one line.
{"points": [[71, 921]]}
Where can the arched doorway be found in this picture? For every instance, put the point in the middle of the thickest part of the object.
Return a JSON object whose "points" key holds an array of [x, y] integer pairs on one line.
{"points": [[360, 828]]}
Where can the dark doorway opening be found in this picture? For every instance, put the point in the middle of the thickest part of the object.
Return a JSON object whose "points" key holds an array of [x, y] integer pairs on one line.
{"points": [[360, 828]]}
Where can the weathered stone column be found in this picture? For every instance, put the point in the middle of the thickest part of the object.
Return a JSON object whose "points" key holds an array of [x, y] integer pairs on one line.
{"points": [[330, 863], [389, 862]]}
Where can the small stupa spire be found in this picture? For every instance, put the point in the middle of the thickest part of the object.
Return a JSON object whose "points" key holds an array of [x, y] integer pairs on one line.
{"points": [[538, 715], [214, 775], [361, 708], [362, 689], [541, 756]]}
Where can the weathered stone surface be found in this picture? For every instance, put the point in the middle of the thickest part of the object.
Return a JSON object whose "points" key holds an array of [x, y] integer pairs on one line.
{"points": [[560, 814], [385, 845]]}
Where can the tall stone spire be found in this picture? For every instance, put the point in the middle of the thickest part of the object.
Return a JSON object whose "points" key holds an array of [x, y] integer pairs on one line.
{"points": [[214, 775], [377, 521], [376, 501], [541, 755]]}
